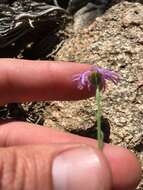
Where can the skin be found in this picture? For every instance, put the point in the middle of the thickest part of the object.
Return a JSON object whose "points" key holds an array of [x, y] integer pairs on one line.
{"points": [[49, 81]]}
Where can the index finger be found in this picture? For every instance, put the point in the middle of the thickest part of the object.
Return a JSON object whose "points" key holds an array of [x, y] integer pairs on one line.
{"points": [[25, 80]]}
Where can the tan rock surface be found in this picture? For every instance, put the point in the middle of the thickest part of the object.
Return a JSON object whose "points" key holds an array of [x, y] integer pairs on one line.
{"points": [[115, 41]]}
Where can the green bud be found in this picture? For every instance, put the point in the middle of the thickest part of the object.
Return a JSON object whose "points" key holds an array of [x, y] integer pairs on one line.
{"points": [[95, 78]]}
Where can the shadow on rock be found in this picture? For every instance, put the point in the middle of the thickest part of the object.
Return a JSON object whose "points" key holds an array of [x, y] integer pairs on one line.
{"points": [[91, 132]]}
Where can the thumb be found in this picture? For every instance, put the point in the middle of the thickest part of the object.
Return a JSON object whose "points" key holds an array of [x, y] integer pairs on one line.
{"points": [[53, 167]]}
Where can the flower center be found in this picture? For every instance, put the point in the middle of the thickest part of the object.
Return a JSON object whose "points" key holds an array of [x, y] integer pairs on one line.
{"points": [[95, 78]]}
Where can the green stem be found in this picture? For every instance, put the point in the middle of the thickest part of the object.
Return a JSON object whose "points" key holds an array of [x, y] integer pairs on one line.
{"points": [[98, 118]]}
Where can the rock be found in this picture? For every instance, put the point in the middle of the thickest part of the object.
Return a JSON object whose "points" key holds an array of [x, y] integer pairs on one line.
{"points": [[133, 16], [113, 41]]}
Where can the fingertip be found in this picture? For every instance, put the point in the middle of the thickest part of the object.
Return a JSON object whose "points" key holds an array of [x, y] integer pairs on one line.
{"points": [[81, 167], [125, 167]]}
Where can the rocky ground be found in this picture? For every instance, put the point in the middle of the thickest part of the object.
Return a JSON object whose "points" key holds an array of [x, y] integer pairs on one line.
{"points": [[114, 40]]}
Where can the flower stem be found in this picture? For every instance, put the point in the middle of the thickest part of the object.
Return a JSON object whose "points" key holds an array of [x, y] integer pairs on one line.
{"points": [[98, 118]]}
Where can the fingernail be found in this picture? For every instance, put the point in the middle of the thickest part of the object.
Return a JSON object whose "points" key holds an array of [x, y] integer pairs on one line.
{"points": [[81, 169]]}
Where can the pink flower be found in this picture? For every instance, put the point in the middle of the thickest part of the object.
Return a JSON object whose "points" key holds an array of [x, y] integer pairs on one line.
{"points": [[95, 76]]}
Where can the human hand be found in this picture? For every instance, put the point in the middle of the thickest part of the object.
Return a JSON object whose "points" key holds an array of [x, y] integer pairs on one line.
{"points": [[42, 158]]}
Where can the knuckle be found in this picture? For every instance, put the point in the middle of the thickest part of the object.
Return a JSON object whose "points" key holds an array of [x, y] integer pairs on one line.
{"points": [[24, 168], [16, 170]]}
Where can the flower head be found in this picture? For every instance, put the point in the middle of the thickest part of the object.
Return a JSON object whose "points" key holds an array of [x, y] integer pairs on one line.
{"points": [[95, 76]]}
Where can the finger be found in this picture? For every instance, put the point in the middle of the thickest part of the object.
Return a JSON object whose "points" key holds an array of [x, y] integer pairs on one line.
{"points": [[54, 167], [22, 80], [125, 167]]}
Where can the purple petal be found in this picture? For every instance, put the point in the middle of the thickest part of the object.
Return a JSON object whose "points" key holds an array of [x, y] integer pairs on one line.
{"points": [[83, 78], [107, 74]]}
